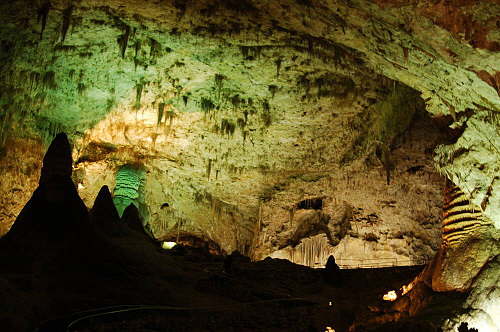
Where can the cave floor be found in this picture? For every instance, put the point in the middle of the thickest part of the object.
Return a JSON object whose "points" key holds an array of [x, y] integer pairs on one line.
{"points": [[189, 290]]}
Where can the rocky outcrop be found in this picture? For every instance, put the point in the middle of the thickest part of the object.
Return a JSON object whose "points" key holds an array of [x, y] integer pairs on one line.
{"points": [[136, 234], [471, 267], [469, 242], [480, 309], [455, 269], [466, 262]]}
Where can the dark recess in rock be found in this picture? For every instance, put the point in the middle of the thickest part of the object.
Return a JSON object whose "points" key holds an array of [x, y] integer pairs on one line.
{"points": [[311, 203]]}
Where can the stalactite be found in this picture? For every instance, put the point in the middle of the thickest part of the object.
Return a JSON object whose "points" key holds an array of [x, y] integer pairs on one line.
{"points": [[34, 80], [227, 127], [278, 66], [241, 123], [5, 118], [209, 168], [235, 101], [81, 88], [384, 155], [49, 80], [123, 41], [266, 113], [138, 88], [170, 115], [110, 103], [161, 107], [313, 252], [219, 82], [43, 13], [206, 105], [137, 48], [155, 48], [66, 22], [291, 214]]}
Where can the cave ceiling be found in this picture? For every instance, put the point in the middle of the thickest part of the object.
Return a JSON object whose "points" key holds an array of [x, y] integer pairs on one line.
{"points": [[235, 113]]}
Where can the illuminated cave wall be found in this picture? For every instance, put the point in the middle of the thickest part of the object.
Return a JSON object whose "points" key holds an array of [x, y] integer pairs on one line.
{"points": [[239, 113]]}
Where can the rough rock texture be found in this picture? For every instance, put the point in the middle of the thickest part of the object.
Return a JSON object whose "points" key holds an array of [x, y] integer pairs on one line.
{"points": [[466, 262], [239, 111], [20, 171], [456, 268], [56, 194], [481, 308], [469, 265]]}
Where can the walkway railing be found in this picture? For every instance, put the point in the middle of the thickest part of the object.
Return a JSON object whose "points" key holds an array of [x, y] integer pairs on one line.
{"points": [[375, 263]]}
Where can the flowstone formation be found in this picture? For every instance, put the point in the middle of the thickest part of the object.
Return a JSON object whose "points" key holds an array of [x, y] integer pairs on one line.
{"points": [[128, 187], [239, 111], [466, 265]]}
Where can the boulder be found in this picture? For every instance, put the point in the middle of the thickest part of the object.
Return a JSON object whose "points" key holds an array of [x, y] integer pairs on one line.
{"points": [[455, 268]]}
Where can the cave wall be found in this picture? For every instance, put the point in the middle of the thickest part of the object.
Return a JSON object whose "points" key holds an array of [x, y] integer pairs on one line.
{"points": [[238, 111]]}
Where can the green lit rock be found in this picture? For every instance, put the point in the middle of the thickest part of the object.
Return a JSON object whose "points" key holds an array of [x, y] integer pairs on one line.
{"points": [[229, 107], [129, 182]]}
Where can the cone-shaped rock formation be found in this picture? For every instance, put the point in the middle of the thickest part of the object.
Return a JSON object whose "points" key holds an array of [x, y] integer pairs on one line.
{"points": [[55, 215], [103, 215], [136, 232]]}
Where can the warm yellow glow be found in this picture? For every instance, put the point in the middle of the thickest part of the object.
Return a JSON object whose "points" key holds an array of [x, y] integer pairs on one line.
{"points": [[407, 288], [390, 296], [329, 329], [167, 245]]}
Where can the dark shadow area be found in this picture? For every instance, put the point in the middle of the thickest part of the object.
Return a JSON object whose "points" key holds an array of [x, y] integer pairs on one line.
{"points": [[66, 269], [312, 203]]}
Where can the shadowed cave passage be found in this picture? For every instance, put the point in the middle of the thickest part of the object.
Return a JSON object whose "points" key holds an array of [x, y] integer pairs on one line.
{"points": [[217, 154], [191, 242]]}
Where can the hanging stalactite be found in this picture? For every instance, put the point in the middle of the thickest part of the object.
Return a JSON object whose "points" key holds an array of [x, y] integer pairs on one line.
{"points": [[43, 14], [123, 40], [66, 21]]}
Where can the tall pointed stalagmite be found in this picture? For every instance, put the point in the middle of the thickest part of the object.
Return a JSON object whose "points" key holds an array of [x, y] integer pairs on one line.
{"points": [[132, 218], [55, 214], [104, 216], [57, 162], [137, 234]]}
